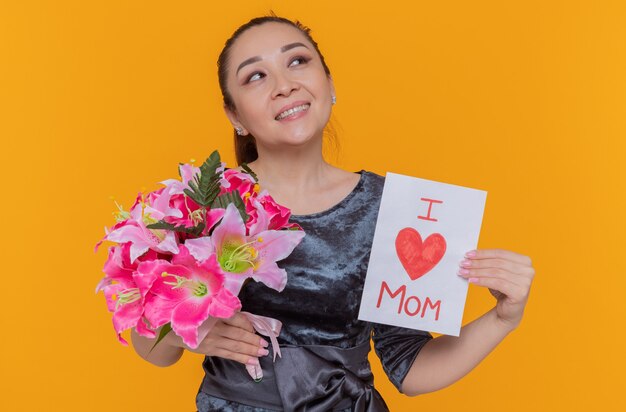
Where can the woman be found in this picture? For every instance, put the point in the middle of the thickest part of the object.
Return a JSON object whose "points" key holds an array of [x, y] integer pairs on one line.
{"points": [[278, 95]]}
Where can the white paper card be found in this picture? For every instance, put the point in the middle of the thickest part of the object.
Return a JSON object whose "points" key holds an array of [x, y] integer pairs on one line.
{"points": [[423, 231]]}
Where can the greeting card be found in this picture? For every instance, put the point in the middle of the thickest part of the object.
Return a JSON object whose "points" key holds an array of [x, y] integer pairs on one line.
{"points": [[423, 230]]}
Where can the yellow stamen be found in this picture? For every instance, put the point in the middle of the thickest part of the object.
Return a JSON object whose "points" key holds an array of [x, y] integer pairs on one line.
{"points": [[259, 239], [256, 188], [196, 216]]}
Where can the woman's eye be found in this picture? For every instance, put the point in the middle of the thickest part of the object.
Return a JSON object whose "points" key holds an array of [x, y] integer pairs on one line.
{"points": [[300, 60], [254, 76]]}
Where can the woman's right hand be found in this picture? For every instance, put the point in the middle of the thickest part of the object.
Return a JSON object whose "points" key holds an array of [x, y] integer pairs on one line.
{"points": [[233, 338]]}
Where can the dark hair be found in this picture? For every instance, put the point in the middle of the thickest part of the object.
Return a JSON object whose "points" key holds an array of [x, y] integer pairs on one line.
{"points": [[245, 146]]}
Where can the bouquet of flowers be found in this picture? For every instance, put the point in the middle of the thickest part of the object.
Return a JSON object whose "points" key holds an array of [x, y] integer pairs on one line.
{"points": [[184, 251]]}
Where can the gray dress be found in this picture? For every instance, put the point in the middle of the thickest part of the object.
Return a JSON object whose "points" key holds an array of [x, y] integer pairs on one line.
{"points": [[324, 347]]}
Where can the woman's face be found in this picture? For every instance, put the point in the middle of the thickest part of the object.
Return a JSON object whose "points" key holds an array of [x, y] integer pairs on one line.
{"points": [[281, 92]]}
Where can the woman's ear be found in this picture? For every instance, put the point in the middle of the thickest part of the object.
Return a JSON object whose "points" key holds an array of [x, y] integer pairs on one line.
{"points": [[234, 120], [332, 89]]}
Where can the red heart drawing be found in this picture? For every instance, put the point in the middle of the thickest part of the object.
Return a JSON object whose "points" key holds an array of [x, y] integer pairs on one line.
{"points": [[418, 257]]}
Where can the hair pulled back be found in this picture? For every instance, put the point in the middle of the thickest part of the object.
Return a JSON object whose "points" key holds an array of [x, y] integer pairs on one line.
{"points": [[245, 146]]}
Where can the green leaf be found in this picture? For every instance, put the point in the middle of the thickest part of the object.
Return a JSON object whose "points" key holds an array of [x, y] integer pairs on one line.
{"points": [[162, 225], [205, 185], [249, 171], [164, 331], [222, 201], [195, 230]]}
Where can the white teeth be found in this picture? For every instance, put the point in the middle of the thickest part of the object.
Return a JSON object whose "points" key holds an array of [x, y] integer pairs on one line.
{"points": [[292, 111]]}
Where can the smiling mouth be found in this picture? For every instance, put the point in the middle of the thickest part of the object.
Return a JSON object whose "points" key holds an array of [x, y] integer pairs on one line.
{"points": [[293, 110]]}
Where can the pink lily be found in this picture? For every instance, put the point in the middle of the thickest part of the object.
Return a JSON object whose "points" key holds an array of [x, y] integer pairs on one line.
{"points": [[264, 212], [190, 213], [118, 264], [125, 300], [158, 205], [115, 267], [142, 239], [185, 293], [241, 256], [232, 180], [175, 186]]}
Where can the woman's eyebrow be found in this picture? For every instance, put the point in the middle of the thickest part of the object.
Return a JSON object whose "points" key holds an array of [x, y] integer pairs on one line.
{"points": [[258, 58], [291, 46], [248, 61]]}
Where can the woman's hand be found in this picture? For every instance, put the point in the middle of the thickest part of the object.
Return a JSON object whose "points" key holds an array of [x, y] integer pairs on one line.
{"points": [[446, 359], [233, 338], [508, 275]]}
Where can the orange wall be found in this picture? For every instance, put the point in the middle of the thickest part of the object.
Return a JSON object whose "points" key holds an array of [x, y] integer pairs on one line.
{"points": [[523, 99]]}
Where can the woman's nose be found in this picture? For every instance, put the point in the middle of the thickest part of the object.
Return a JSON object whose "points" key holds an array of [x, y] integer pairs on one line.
{"points": [[284, 85]]}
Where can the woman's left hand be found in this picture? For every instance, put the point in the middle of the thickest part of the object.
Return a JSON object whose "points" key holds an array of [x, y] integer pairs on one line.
{"points": [[508, 275]]}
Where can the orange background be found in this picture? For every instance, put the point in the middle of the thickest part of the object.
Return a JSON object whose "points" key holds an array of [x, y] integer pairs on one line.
{"points": [[526, 100]]}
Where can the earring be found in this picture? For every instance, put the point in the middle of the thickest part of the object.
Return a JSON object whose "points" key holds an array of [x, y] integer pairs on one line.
{"points": [[333, 100], [239, 130]]}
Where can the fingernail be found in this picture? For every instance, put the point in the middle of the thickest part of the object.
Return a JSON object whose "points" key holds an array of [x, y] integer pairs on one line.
{"points": [[258, 374], [264, 343], [466, 263], [471, 253], [253, 362], [255, 372], [464, 272], [263, 352], [473, 280]]}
